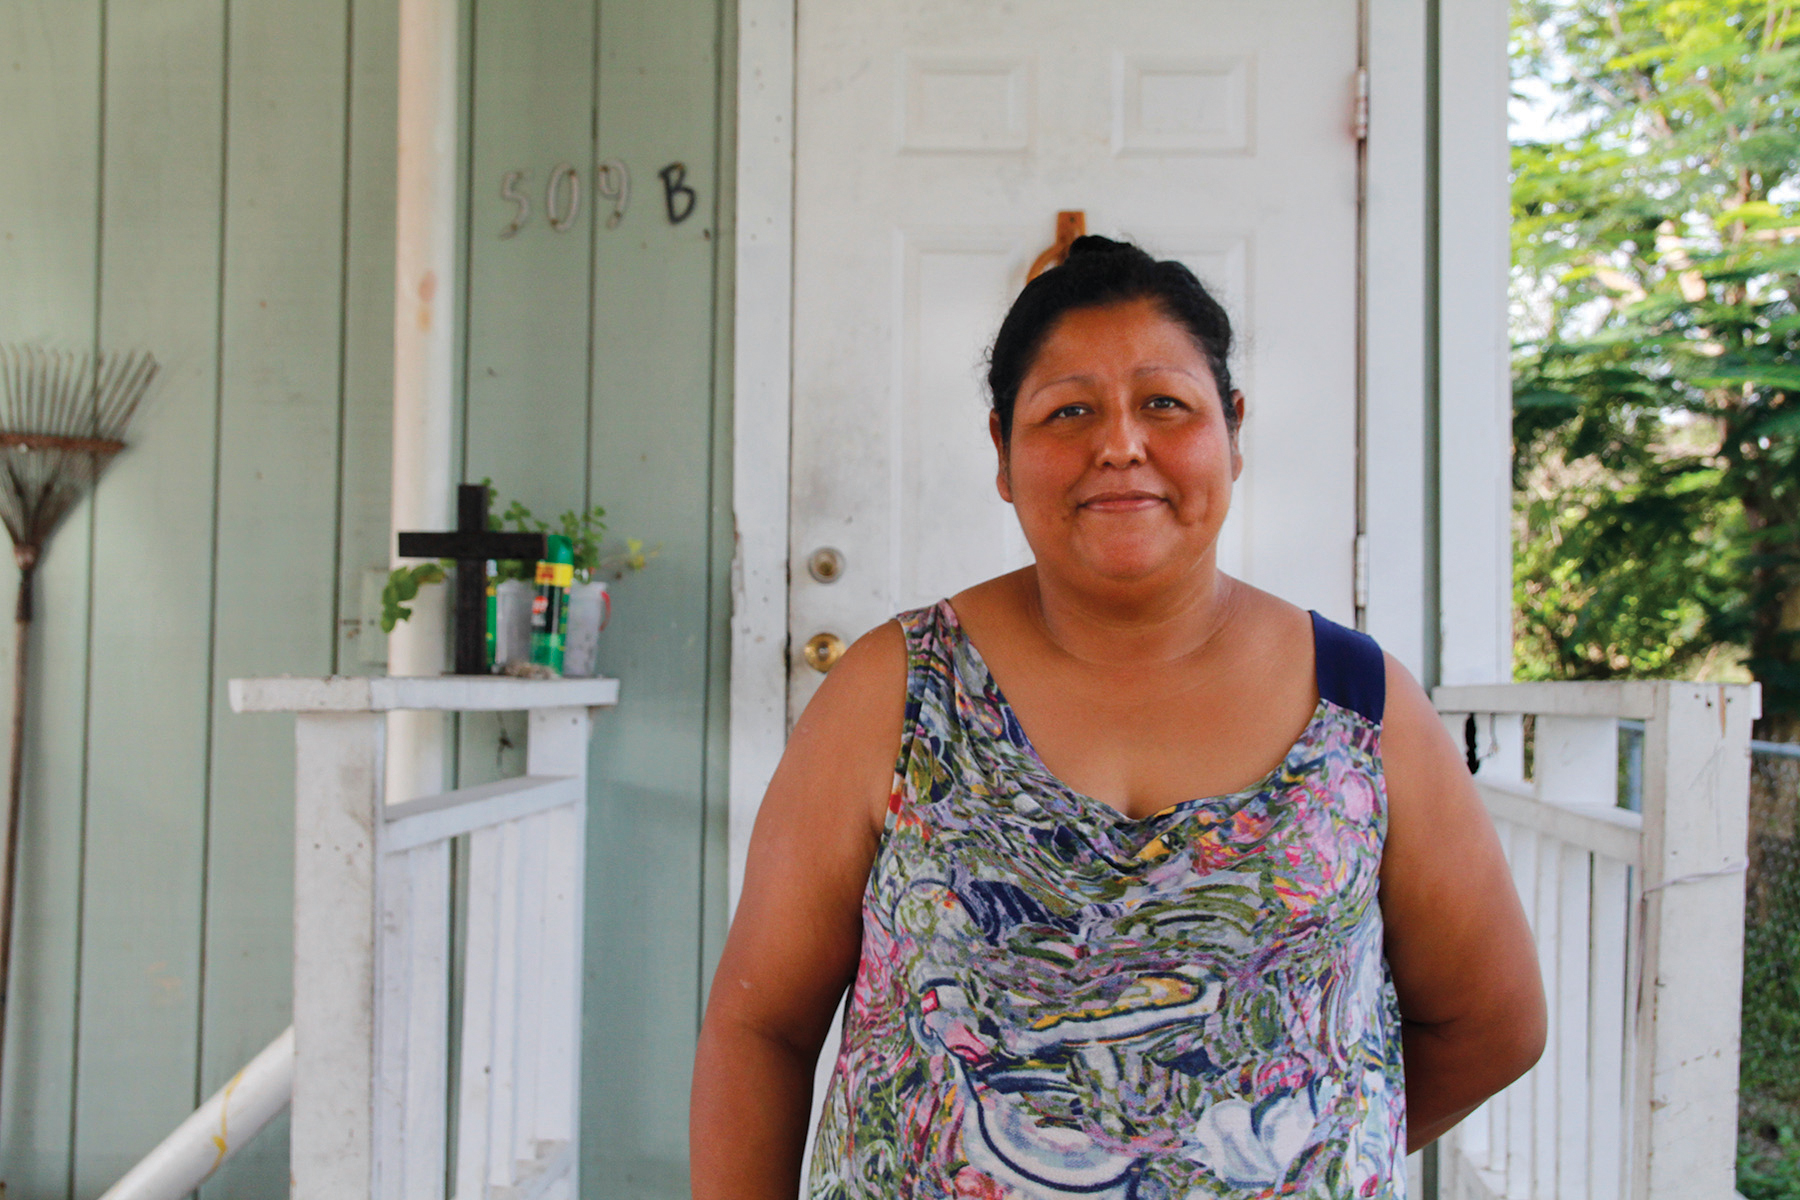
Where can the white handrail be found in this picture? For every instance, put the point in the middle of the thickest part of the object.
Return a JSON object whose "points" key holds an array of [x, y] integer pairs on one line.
{"points": [[1639, 921], [372, 979], [216, 1130]]}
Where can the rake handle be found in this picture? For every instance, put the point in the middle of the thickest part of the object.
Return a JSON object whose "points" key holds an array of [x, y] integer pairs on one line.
{"points": [[9, 867]]}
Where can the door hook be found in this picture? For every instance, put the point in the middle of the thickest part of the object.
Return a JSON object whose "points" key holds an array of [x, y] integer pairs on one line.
{"points": [[1070, 224]]}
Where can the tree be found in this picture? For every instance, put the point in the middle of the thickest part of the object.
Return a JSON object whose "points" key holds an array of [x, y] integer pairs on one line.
{"points": [[1657, 365]]}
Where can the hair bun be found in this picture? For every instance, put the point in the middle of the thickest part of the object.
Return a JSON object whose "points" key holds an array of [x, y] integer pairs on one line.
{"points": [[1092, 244]]}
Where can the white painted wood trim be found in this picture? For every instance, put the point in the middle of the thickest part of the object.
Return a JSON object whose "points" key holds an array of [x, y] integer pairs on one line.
{"points": [[339, 775], [1610, 832], [1575, 760], [1610, 990], [371, 967], [439, 818], [1394, 462], [427, 192], [1634, 700], [761, 399], [1696, 822], [535, 1006], [1639, 924], [1475, 375], [1463, 1180], [443, 693], [412, 1008], [559, 740], [480, 999], [554, 1161]]}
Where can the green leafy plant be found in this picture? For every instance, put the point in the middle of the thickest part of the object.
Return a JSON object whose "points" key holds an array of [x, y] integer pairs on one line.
{"points": [[403, 584], [1763, 1175], [585, 529]]}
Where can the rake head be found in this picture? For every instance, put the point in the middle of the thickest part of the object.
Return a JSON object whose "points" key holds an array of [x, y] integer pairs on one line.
{"points": [[62, 419]]}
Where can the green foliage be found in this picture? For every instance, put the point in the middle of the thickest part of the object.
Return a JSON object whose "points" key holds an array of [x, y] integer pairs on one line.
{"points": [[1657, 357], [403, 585], [1769, 1106], [1615, 574], [586, 531], [1770, 1176]]}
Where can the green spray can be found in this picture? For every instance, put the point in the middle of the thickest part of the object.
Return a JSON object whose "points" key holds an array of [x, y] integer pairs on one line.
{"points": [[550, 607], [491, 571]]}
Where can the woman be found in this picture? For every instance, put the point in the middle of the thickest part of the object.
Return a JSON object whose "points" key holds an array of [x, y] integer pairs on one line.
{"points": [[1072, 977]]}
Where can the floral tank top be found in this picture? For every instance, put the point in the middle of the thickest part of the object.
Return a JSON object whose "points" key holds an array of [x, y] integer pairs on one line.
{"points": [[1057, 1000]]}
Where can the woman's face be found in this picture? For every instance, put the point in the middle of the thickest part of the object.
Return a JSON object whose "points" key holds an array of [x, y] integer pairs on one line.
{"points": [[1120, 465]]}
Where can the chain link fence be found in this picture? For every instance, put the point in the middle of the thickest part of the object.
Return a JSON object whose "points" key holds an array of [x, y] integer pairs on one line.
{"points": [[1769, 1099]]}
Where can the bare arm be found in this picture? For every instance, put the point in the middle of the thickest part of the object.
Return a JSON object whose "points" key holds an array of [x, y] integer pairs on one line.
{"points": [[795, 941], [1463, 962]]}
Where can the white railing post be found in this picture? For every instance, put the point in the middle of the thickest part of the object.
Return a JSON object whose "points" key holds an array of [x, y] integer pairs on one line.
{"points": [[412, 1014], [520, 1085], [1685, 1062], [339, 778], [558, 745], [372, 933]]}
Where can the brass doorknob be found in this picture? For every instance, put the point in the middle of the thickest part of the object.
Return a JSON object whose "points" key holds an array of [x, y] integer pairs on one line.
{"points": [[822, 650]]}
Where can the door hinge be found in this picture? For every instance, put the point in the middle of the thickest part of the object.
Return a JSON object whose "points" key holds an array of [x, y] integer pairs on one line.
{"points": [[1361, 122], [1360, 581]]}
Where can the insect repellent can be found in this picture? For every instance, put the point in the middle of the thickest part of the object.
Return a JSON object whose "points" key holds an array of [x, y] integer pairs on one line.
{"points": [[550, 607], [491, 572]]}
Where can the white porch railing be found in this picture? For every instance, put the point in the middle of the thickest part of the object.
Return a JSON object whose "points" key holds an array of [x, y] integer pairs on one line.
{"points": [[373, 1098], [1639, 924]]}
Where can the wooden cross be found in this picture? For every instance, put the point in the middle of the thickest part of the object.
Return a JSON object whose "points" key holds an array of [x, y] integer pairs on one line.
{"points": [[472, 546]]}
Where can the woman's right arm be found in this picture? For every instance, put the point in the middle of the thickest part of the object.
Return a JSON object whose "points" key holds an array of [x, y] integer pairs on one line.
{"points": [[795, 941]]}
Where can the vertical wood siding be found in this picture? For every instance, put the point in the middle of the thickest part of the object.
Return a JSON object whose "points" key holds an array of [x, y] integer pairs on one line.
{"points": [[49, 236], [212, 180], [164, 197], [657, 437]]}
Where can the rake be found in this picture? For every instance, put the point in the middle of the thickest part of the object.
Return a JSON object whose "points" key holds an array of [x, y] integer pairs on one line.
{"points": [[62, 417]]}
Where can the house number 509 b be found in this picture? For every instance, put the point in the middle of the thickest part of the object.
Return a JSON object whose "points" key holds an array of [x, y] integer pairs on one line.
{"points": [[612, 183]]}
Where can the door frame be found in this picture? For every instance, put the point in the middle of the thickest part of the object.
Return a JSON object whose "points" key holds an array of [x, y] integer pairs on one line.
{"points": [[1434, 217]]}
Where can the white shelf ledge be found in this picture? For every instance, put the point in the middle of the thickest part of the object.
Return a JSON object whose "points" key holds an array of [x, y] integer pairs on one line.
{"points": [[443, 693]]}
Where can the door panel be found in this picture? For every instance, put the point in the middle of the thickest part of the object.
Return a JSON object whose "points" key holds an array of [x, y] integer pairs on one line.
{"points": [[936, 144]]}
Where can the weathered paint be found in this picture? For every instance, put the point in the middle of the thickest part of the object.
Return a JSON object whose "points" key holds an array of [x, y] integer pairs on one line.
{"points": [[657, 445], [49, 215], [145, 795], [214, 180]]}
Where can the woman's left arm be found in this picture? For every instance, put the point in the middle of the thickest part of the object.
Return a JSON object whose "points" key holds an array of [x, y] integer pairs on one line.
{"points": [[1463, 962]]}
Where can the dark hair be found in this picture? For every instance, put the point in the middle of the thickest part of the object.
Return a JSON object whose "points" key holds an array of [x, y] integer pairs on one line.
{"points": [[1097, 273]]}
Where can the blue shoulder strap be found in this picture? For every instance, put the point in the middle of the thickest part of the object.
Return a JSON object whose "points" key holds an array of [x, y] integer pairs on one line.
{"points": [[1350, 669]]}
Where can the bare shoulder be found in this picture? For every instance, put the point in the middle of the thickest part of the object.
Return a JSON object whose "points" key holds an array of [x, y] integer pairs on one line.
{"points": [[993, 605], [1269, 640], [868, 682], [1419, 757], [842, 751], [1266, 615]]}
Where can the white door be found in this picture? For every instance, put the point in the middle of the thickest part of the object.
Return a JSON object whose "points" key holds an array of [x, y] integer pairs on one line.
{"points": [[936, 143]]}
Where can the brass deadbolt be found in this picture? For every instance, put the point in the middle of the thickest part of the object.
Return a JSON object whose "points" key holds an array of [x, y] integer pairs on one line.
{"points": [[825, 564], [823, 650]]}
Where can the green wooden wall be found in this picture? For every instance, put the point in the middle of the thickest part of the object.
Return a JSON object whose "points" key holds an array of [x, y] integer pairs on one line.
{"points": [[212, 180]]}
